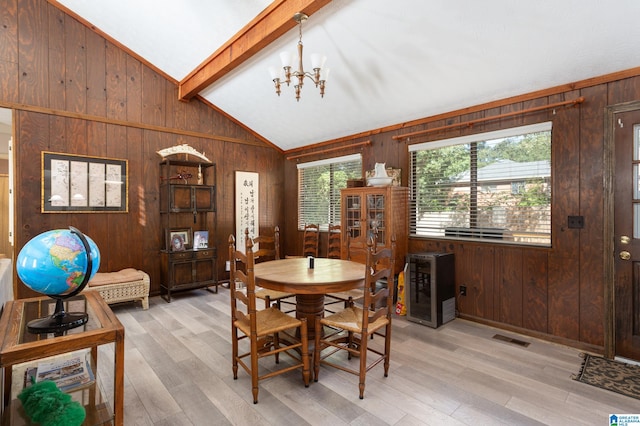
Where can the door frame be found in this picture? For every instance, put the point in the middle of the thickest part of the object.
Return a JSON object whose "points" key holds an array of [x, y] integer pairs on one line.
{"points": [[608, 228]]}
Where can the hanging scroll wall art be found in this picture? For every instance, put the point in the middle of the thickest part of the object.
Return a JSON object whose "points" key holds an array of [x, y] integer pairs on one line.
{"points": [[246, 206]]}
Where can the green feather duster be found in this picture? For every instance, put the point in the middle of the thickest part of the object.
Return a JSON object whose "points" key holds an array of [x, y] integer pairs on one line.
{"points": [[45, 404]]}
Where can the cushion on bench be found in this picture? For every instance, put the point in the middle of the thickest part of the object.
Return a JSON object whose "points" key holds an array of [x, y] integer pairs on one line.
{"points": [[125, 276], [126, 285]]}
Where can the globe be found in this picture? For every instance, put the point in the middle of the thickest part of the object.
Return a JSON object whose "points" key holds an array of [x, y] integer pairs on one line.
{"points": [[59, 264]]}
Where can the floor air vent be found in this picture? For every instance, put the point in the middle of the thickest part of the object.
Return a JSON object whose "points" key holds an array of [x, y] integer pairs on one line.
{"points": [[511, 340]]}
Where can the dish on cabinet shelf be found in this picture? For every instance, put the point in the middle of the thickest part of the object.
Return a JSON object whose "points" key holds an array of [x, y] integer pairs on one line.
{"points": [[379, 181]]}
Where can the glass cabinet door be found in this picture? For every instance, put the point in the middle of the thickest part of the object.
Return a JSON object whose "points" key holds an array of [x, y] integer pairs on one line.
{"points": [[354, 215], [375, 217]]}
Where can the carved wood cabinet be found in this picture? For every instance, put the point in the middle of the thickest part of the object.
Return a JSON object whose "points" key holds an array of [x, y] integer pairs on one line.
{"points": [[378, 211], [188, 216]]}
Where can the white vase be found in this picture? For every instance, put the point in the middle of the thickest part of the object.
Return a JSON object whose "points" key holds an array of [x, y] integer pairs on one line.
{"points": [[380, 170]]}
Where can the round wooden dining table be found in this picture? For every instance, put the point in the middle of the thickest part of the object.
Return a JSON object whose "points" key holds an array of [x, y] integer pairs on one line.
{"points": [[293, 275]]}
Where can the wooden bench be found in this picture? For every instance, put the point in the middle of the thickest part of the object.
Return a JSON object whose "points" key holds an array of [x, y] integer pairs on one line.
{"points": [[123, 286]]}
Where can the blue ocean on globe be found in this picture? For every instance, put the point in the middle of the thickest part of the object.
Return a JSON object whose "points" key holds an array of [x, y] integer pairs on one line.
{"points": [[54, 262]]}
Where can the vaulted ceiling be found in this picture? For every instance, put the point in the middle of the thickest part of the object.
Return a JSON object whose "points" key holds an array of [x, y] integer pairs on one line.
{"points": [[391, 62]]}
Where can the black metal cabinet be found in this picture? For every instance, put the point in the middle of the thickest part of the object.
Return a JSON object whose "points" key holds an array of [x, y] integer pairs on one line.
{"points": [[188, 215]]}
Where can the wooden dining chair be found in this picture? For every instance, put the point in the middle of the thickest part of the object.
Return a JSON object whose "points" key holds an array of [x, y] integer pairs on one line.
{"points": [[349, 330], [270, 331], [311, 240], [356, 251], [334, 242], [269, 249]]}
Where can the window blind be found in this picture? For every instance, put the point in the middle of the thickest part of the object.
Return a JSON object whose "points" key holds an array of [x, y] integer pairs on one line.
{"points": [[493, 185], [319, 185]]}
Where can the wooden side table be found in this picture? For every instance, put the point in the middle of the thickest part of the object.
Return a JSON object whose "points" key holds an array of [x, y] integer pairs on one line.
{"points": [[19, 346]]}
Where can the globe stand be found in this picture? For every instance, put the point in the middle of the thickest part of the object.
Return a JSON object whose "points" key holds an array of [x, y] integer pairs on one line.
{"points": [[61, 320]]}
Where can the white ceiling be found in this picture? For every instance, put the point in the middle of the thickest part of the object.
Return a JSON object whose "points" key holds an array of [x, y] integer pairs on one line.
{"points": [[391, 62]]}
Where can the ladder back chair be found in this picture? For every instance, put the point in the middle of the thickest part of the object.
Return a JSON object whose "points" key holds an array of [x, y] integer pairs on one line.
{"points": [[349, 329], [334, 242], [262, 328], [269, 249], [357, 252], [311, 240]]}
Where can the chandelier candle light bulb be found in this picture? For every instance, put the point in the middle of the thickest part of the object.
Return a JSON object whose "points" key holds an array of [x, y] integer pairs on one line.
{"points": [[319, 75]]}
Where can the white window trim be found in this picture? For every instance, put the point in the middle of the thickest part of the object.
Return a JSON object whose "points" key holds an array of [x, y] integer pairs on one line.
{"points": [[481, 137], [334, 160]]}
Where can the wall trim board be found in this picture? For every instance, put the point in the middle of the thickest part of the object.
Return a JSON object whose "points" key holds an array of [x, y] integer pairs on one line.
{"points": [[124, 123]]}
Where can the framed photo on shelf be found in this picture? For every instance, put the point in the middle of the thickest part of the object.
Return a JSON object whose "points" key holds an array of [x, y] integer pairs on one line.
{"points": [[200, 240], [178, 239]]}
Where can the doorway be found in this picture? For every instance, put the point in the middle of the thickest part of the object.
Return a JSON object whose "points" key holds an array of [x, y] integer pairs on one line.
{"points": [[6, 131], [622, 232]]}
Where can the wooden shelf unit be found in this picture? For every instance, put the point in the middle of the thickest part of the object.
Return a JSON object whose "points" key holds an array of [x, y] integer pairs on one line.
{"points": [[189, 203]]}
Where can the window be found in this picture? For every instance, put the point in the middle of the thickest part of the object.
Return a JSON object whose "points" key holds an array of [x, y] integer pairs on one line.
{"points": [[493, 185], [518, 187], [319, 185]]}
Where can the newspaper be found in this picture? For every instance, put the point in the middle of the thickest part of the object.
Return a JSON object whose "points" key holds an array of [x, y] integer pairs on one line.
{"points": [[68, 374]]}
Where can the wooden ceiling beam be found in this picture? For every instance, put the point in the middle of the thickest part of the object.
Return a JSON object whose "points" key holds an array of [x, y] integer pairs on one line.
{"points": [[268, 26]]}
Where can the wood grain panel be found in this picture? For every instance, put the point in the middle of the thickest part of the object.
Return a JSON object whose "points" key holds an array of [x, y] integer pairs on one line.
{"points": [[35, 129], [57, 75], [9, 31], [96, 75], [591, 206], [145, 201], [539, 116], [115, 227], [625, 90], [564, 297], [33, 63], [75, 66], [176, 115], [9, 81], [565, 158], [116, 82], [508, 288], [133, 93], [564, 288], [152, 99], [535, 292], [475, 269]]}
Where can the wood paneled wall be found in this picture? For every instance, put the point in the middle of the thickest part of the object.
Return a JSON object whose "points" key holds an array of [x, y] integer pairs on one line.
{"points": [[556, 293], [75, 92], [54, 66]]}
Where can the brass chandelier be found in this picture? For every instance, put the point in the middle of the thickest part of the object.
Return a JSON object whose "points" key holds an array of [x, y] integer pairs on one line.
{"points": [[319, 75]]}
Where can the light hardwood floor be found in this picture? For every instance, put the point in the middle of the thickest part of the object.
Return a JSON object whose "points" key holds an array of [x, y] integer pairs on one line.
{"points": [[178, 372]]}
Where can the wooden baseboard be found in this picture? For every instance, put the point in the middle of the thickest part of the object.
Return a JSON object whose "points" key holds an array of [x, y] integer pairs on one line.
{"points": [[587, 347]]}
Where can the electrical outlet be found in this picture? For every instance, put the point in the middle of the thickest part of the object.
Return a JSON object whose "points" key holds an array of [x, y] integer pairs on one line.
{"points": [[575, 222], [463, 290], [227, 266]]}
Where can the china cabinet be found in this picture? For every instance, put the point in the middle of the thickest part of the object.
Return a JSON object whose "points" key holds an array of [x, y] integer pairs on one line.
{"points": [[378, 211], [188, 216]]}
